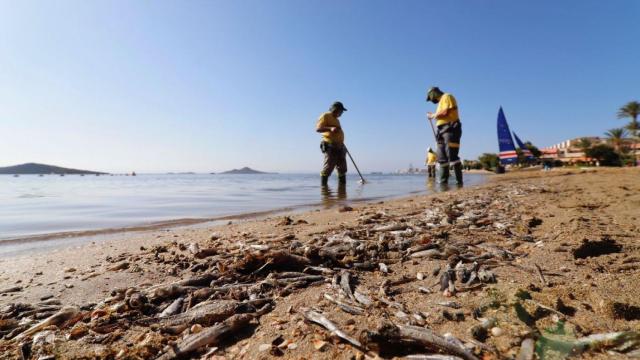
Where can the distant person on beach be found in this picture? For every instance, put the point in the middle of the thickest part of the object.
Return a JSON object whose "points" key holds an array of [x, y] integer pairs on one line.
{"points": [[431, 163], [332, 144], [448, 134]]}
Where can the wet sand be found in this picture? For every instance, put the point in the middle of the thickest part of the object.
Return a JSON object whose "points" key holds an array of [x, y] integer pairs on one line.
{"points": [[542, 220]]}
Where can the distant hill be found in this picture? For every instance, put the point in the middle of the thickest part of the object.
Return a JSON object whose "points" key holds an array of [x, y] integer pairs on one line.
{"points": [[33, 168], [244, 170]]}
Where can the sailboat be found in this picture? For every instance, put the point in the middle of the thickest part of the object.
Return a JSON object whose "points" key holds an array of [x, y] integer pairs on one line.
{"points": [[525, 151], [507, 153]]}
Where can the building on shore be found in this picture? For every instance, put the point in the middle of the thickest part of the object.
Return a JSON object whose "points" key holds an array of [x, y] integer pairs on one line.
{"points": [[410, 171], [569, 151]]}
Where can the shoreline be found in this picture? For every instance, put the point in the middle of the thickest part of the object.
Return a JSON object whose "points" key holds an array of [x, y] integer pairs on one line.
{"points": [[534, 220], [77, 238]]}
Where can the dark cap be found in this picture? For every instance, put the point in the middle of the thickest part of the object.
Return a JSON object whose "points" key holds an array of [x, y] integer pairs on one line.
{"points": [[433, 92], [338, 106]]}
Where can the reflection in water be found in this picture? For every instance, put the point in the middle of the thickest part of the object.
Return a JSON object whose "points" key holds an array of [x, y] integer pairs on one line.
{"points": [[430, 184], [329, 197], [433, 186]]}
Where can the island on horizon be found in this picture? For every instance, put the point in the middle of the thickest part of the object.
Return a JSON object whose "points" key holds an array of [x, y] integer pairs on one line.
{"points": [[38, 169], [244, 170]]}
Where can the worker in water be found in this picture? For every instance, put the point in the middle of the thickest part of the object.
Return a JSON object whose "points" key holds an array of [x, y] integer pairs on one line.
{"points": [[448, 134], [332, 144], [431, 163]]}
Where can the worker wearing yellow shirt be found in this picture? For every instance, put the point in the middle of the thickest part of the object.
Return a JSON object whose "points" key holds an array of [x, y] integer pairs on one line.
{"points": [[332, 144], [431, 163], [448, 134]]}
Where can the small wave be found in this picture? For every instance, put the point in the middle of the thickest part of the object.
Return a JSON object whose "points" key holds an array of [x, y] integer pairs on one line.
{"points": [[30, 196], [278, 189]]}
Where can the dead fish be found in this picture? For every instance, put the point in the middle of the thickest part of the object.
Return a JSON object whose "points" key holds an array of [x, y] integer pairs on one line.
{"points": [[626, 339], [431, 253], [486, 276], [383, 268], [392, 227], [55, 319], [168, 291], [447, 279], [345, 284], [194, 248], [205, 313], [526, 350], [320, 319], [11, 289], [344, 306], [427, 338], [205, 253], [362, 298], [451, 304], [120, 266], [173, 308], [209, 336]]}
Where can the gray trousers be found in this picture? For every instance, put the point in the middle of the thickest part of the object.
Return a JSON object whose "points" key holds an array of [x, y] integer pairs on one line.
{"points": [[431, 170], [448, 141], [335, 156]]}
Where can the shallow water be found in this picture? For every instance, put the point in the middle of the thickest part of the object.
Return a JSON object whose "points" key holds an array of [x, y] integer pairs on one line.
{"points": [[32, 205]]}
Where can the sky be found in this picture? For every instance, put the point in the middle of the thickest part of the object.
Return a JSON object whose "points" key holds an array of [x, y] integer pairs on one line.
{"points": [[158, 86]]}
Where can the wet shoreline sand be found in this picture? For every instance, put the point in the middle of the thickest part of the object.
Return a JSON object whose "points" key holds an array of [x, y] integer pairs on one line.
{"points": [[542, 221]]}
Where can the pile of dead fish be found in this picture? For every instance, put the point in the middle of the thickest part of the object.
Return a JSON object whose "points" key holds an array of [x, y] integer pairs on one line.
{"points": [[230, 284]]}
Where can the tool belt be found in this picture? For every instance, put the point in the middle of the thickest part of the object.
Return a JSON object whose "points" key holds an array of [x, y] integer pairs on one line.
{"points": [[450, 126], [326, 147]]}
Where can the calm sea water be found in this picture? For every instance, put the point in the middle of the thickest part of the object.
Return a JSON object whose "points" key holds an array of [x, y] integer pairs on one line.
{"points": [[35, 205]]}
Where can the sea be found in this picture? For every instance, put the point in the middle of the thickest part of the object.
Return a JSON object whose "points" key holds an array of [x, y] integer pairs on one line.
{"points": [[35, 209]]}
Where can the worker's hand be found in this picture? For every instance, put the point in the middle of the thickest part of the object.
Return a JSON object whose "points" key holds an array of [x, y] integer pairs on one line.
{"points": [[431, 115], [334, 129]]}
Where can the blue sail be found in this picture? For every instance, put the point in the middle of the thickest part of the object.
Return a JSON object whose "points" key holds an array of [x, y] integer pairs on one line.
{"points": [[525, 151], [508, 153]]}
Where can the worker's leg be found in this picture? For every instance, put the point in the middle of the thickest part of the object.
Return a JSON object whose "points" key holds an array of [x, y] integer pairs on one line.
{"points": [[442, 155], [328, 164], [453, 149], [341, 164]]}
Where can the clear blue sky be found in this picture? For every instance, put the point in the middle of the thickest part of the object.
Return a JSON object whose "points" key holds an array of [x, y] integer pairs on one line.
{"points": [[210, 85]]}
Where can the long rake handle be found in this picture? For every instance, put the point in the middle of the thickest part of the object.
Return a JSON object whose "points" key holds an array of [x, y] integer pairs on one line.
{"points": [[354, 164], [433, 129]]}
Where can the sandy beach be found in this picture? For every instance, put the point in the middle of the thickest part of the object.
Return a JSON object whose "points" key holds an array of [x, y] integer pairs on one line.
{"points": [[562, 246]]}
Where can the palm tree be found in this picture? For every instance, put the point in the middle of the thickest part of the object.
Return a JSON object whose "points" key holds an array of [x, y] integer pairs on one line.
{"points": [[631, 110], [584, 144], [616, 137]]}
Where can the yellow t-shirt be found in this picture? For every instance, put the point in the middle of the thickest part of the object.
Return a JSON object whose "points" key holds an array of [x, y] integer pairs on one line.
{"points": [[431, 158], [328, 120], [447, 101]]}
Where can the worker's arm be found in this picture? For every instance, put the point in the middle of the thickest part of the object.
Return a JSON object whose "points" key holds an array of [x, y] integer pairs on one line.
{"points": [[447, 103], [321, 125], [438, 115], [324, 129]]}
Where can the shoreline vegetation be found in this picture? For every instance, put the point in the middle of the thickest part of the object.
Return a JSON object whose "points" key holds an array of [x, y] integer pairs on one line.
{"points": [[497, 267]]}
